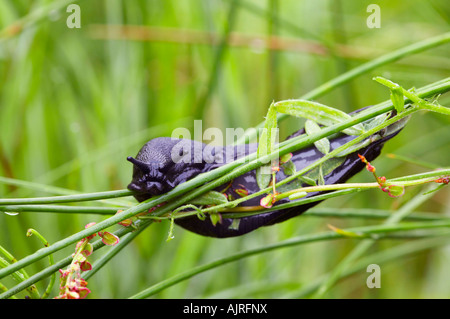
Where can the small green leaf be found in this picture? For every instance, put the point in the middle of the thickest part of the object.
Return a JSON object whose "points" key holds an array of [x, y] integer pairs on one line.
{"points": [[354, 148], [241, 192], [318, 113], [109, 238], [266, 146], [215, 218], [235, 224], [385, 82], [85, 266], [210, 198], [321, 179], [397, 99], [88, 249], [285, 158], [377, 120], [266, 201], [325, 168], [396, 190], [323, 145], [263, 177], [289, 168], [267, 138], [307, 180]]}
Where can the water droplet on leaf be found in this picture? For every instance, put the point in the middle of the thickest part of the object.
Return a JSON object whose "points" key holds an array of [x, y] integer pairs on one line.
{"points": [[11, 213]]}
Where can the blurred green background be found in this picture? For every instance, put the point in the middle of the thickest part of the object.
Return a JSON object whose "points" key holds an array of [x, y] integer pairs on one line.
{"points": [[75, 102]]}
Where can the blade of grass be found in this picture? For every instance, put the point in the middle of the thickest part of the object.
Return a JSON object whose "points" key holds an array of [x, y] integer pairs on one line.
{"points": [[362, 247], [381, 257], [362, 69], [218, 58], [287, 243], [67, 198]]}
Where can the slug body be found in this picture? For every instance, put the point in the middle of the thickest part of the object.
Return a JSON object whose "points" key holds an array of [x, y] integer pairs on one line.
{"points": [[163, 163]]}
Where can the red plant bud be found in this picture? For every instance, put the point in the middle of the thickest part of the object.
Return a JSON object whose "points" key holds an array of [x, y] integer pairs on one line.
{"points": [[444, 180], [363, 159], [370, 167], [381, 180]]}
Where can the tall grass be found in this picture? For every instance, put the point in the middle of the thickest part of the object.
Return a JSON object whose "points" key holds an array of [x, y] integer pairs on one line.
{"points": [[74, 103]]}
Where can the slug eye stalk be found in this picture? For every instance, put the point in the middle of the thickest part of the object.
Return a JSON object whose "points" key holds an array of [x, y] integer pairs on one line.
{"points": [[143, 167]]}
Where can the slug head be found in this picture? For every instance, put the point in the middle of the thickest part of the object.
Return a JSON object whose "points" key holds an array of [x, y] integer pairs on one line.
{"points": [[147, 177], [150, 168], [162, 164]]}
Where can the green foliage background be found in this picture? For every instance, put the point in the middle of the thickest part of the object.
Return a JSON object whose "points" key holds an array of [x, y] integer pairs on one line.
{"points": [[74, 103]]}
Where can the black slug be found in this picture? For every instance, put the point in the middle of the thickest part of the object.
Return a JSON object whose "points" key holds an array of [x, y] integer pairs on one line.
{"points": [[163, 163]]}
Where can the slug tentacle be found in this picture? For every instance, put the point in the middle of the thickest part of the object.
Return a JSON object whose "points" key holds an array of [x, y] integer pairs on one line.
{"points": [[143, 167]]}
